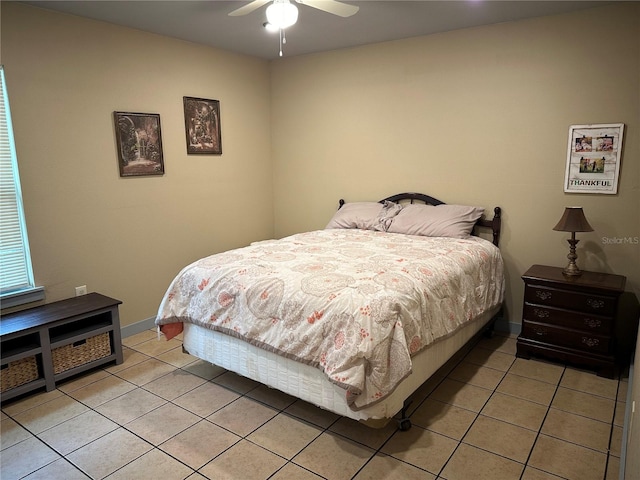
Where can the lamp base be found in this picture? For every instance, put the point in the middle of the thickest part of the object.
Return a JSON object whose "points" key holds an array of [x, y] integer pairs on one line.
{"points": [[572, 270]]}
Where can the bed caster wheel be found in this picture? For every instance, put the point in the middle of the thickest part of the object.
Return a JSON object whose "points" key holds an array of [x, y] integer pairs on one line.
{"points": [[404, 424]]}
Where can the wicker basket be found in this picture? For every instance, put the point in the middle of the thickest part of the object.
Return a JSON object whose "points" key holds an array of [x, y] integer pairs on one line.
{"points": [[81, 352], [18, 373]]}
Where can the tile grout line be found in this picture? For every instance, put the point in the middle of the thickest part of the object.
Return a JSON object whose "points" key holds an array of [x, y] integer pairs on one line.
{"points": [[613, 426], [477, 414], [242, 395], [325, 429], [539, 432]]}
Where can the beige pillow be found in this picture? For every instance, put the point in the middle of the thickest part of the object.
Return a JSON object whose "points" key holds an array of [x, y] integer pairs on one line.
{"points": [[365, 215], [454, 221]]}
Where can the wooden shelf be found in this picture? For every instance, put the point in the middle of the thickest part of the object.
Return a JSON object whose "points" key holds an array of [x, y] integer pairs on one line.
{"points": [[37, 331]]}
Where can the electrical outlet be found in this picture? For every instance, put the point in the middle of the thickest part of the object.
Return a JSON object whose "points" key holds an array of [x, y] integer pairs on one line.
{"points": [[82, 290]]}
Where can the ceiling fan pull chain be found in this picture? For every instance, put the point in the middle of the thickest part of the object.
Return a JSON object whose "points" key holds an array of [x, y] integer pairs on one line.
{"points": [[281, 42]]}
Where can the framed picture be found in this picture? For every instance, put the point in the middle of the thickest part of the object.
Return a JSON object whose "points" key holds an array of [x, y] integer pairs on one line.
{"points": [[139, 144], [593, 158], [202, 125]]}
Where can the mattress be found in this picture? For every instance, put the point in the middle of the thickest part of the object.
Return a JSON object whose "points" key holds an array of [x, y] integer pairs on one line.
{"points": [[311, 384], [355, 304]]}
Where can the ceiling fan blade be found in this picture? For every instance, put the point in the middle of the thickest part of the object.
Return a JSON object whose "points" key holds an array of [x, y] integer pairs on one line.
{"points": [[248, 8], [332, 6]]}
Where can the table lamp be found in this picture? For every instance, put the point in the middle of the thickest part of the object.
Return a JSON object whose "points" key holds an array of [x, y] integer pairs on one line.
{"points": [[573, 220]]}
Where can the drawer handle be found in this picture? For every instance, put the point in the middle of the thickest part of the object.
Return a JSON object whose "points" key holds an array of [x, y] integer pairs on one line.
{"points": [[542, 295], [540, 313], [595, 304], [590, 342], [592, 322], [540, 331]]}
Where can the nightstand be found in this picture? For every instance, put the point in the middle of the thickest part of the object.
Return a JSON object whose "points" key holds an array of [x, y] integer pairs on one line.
{"points": [[571, 319]]}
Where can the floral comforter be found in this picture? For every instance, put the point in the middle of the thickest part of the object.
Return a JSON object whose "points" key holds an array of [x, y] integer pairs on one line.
{"points": [[355, 303]]}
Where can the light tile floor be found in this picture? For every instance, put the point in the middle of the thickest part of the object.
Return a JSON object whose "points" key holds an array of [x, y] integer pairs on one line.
{"points": [[163, 414]]}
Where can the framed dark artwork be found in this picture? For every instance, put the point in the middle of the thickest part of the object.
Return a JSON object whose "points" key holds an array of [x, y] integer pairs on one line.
{"points": [[139, 144], [202, 125]]}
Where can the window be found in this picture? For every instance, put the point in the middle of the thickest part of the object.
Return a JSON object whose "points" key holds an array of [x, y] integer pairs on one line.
{"points": [[16, 275]]}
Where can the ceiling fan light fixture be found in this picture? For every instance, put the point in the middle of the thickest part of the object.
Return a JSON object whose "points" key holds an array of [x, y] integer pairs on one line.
{"points": [[282, 14]]}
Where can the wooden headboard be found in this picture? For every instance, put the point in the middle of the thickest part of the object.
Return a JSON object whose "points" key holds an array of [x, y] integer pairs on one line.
{"points": [[494, 224]]}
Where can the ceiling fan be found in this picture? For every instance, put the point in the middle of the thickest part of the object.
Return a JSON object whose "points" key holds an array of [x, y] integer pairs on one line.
{"points": [[329, 6], [282, 13]]}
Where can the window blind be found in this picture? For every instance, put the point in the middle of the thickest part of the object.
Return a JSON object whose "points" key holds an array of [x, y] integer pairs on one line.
{"points": [[15, 262]]}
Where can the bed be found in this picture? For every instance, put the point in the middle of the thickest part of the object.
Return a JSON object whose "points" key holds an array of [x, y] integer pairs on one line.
{"points": [[352, 318]]}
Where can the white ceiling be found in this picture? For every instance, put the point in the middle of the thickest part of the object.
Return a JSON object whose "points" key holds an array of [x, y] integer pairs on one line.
{"points": [[207, 22]]}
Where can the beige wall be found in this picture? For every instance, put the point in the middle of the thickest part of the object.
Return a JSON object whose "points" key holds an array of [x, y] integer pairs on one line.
{"points": [[477, 116], [128, 237]]}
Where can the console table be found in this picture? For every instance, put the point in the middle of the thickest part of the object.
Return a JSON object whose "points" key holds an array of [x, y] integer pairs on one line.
{"points": [[43, 345]]}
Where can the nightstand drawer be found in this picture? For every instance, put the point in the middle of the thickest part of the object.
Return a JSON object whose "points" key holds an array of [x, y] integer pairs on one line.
{"points": [[567, 338], [569, 319], [581, 301]]}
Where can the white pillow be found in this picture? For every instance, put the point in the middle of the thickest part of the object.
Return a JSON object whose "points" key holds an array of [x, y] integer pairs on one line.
{"points": [[454, 221]]}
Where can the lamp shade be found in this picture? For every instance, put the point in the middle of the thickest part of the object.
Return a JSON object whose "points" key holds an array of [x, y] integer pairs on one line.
{"points": [[282, 14], [573, 220]]}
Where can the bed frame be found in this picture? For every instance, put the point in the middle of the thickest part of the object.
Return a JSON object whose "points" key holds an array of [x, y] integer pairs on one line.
{"points": [[200, 346], [494, 224]]}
